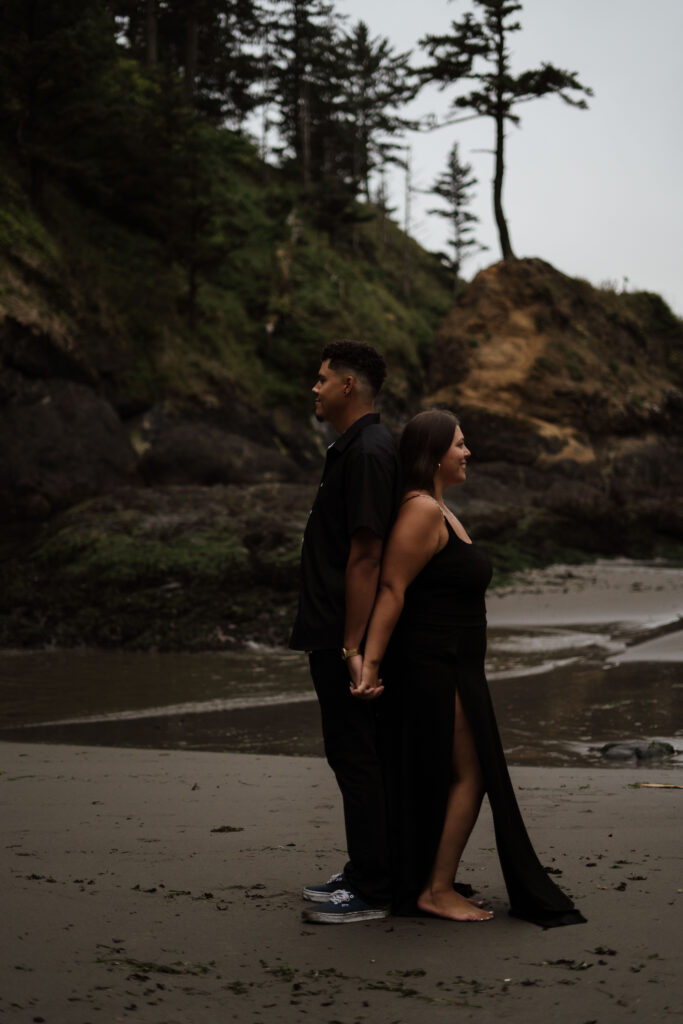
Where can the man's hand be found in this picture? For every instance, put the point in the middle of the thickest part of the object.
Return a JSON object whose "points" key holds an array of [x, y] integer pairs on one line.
{"points": [[364, 684]]}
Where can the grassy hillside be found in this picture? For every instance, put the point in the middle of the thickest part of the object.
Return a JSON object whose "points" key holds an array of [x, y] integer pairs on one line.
{"points": [[113, 305]]}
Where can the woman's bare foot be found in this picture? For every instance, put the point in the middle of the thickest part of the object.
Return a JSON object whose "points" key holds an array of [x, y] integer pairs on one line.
{"points": [[449, 904]]}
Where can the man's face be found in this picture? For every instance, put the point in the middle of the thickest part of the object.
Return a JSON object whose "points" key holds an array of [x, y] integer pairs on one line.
{"points": [[330, 393]]}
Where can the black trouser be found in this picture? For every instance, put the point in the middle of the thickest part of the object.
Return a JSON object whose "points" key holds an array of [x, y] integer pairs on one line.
{"points": [[350, 737]]}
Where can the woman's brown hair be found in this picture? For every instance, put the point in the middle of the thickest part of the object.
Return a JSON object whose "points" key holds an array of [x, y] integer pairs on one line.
{"points": [[425, 439]]}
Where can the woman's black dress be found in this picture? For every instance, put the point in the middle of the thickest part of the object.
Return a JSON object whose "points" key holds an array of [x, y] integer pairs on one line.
{"points": [[439, 645]]}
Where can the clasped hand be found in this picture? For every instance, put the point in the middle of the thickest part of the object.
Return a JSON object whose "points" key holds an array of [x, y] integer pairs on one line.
{"points": [[364, 682]]}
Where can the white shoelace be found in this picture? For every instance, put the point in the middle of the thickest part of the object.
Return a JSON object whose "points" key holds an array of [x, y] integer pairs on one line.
{"points": [[341, 896]]}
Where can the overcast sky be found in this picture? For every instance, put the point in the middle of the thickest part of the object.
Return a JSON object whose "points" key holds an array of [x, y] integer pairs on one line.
{"points": [[597, 193]]}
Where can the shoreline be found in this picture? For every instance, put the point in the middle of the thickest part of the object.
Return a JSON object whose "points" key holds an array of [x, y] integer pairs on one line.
{"points": [[569, 650], [163, 887]]}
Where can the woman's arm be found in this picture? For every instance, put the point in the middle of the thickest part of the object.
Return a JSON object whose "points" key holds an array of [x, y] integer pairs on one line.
{"points": [[417, 535]]}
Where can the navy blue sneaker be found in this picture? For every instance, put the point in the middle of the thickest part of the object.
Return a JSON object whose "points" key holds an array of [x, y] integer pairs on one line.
{"points": [[344, 908], [322, 893]]}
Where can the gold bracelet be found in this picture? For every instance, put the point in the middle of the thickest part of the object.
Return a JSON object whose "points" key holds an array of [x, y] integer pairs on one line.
{"points": [[349, 652]]}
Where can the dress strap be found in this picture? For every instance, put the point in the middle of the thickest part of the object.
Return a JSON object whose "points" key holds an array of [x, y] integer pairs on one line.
{"points": [[431, 498]]}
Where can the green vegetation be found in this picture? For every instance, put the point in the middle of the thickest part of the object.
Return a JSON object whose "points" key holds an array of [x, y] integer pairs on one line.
{"points": [[121, 551], [514, 555], [256, 326], [153, 242], [169, 578], [165, 569]]}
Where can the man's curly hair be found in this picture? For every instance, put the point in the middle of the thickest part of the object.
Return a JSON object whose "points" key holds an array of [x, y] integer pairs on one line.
{"points": [[359, 358]]}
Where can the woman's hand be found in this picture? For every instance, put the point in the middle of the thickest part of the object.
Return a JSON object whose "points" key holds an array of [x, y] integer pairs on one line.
{"points": [[364, 682]]}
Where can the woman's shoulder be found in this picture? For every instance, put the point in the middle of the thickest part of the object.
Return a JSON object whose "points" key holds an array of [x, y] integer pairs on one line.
{"points": [[419, 526], [418, 506]]}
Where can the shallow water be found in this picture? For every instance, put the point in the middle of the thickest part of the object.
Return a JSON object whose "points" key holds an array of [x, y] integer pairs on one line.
{"points": [[560, 694]]}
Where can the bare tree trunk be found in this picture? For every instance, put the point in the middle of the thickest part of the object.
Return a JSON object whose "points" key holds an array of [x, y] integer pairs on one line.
{"points": [[366, 164], [501, 70], [328, 156], [382, 203], [457, 244], [357, 162], [191, 52], [505, 245], [407, 224], [265, 109], [151, 36], [360, 169], [305, 132]]}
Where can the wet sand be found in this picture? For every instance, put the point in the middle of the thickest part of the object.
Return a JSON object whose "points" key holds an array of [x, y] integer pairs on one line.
{"points": [[643, 595], [562, 718], [162, 887]]}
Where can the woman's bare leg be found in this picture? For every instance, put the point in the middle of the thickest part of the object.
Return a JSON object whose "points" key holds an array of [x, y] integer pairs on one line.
{"points": [[464, 802]]}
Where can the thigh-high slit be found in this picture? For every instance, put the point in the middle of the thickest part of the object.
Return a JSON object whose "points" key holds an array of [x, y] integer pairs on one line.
{"points": [[431, 656]]}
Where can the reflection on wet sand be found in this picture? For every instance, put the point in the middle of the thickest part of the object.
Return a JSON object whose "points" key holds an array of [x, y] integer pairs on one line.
{"points": [[578, 708], [561, 689]]}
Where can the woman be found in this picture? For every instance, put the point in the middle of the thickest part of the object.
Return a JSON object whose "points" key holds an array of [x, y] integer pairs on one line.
{"points": [[443, 748]]}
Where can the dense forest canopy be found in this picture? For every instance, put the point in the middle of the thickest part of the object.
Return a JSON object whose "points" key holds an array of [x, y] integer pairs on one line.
{"points": [[141, 106]]}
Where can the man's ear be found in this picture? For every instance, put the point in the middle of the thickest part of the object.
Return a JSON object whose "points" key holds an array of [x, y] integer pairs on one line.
{"points": [[349, 384]]}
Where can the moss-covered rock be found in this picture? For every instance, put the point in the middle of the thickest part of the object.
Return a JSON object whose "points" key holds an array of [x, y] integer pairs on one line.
{"points": [[178, 568], [202, 568]]}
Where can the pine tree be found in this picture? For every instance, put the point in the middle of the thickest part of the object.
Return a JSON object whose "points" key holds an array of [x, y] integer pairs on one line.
{"points": [[377, 83], [201, 229], [54, 58], [306, 74], [477, 50], [208, 43], [455, 186]]}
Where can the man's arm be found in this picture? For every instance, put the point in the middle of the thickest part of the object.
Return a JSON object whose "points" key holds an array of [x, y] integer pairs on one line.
{"points": [[362, 577]]}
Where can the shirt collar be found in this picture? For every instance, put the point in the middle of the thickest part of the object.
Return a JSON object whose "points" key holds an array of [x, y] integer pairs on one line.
{"points": [[345, 439]]}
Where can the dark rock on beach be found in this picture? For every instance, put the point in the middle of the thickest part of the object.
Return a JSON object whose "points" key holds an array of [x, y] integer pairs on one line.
{"points": [[187, 452], [60, 442], [641, 750], [174, 568]]}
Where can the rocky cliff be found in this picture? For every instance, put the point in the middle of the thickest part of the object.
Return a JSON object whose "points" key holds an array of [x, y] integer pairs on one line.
{"points": [[571, 401]]}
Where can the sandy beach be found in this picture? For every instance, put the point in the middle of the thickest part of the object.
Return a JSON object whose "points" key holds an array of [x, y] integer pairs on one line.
{"points": [[163, 887]]}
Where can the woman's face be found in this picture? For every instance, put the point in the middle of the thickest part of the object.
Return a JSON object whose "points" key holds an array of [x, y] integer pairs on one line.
{"points": [[453, 469]]}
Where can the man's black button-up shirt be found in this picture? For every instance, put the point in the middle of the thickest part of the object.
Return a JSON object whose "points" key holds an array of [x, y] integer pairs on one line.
{"points": [[360, 488]]}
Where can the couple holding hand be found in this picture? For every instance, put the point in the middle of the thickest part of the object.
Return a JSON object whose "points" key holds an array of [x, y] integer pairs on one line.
{"points": [[392, 614]]}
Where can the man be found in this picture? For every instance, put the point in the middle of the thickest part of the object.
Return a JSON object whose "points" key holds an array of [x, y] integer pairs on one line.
{"points": [[353, 511]]}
